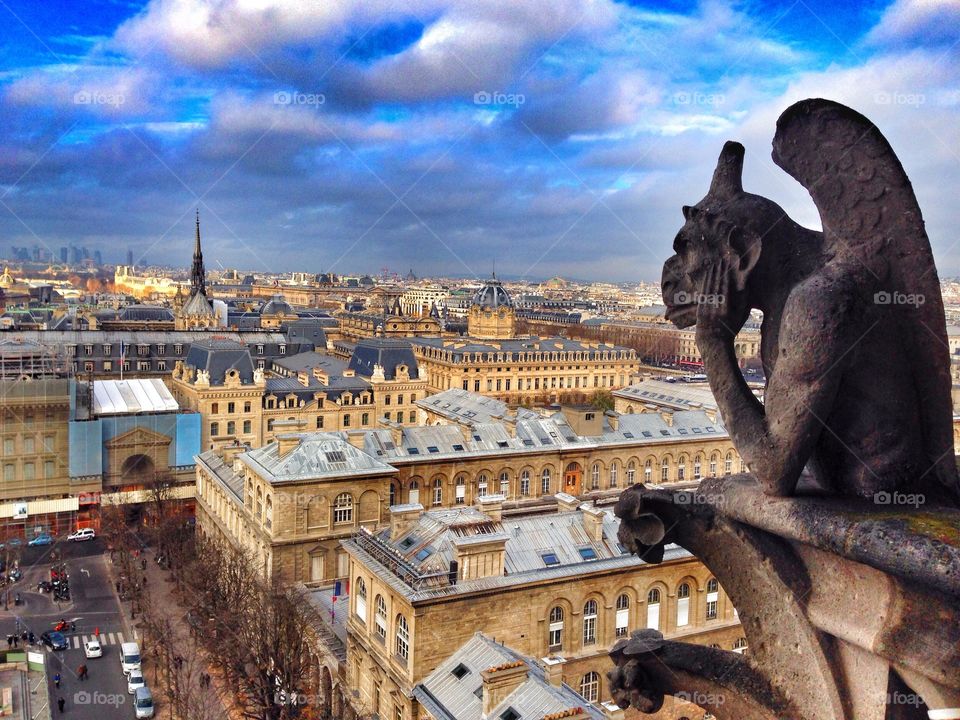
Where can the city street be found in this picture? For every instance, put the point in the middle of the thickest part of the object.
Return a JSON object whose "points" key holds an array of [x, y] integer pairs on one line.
{"points": [[93, 607]]}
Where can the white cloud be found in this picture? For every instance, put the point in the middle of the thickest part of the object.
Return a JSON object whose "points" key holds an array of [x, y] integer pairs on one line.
{"points": [[919, 21]]}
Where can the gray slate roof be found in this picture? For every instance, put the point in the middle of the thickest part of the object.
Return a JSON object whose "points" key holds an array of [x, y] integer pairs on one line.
{"points": [[318, 455], [448, 697]]}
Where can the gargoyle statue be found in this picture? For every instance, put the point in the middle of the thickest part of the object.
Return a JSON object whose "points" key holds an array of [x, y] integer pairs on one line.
{"points": [[853, 341]]}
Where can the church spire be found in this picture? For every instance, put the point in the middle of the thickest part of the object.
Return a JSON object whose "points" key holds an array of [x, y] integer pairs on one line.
{"points": [[198, 277]]}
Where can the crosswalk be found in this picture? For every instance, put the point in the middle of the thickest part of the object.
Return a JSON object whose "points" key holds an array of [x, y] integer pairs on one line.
{"points": [[111, 638]]}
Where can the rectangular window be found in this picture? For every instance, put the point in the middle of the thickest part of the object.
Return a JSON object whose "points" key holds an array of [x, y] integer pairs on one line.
{"points": [[161, 364], [231, 408], [683, 611], [623, 620], [28, 446], [247, 426], [8, 446], [29, 471], [9, 471], [246, 406], [48, 469]]}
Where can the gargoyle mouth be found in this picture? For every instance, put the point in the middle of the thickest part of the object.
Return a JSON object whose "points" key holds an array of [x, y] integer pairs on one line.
{"points": [[683, 316]]}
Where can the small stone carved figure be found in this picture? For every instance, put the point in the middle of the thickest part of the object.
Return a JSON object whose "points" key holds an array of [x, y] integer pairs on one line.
{"points": [[853, 342]]}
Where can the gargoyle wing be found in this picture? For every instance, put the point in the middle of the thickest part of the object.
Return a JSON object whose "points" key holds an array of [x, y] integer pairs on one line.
{"points": [[871, 219]]}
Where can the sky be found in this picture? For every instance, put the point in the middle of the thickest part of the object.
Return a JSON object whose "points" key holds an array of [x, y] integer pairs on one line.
{"points": [[543, 137]]}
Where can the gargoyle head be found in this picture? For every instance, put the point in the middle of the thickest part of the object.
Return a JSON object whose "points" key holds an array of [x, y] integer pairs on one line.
{"points": [[716, 229]]}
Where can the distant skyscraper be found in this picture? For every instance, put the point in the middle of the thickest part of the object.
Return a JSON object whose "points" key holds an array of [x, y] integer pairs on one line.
{"points": [[129, 257], [64, 254], [97, 258]]}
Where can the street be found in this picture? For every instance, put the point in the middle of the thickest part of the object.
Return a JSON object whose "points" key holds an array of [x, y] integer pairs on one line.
{"points": [[93, 607]]}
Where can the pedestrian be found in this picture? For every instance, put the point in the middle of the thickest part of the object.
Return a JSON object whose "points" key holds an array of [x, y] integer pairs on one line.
{"points": [[16, 641], [82, 672], [143, 564], [60, 703], [73, 626], [33, 638], [56, 680], [9, 641]]}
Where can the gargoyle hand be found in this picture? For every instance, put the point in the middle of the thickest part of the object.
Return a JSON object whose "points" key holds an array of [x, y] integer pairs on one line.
{"points": [[715, 307]]}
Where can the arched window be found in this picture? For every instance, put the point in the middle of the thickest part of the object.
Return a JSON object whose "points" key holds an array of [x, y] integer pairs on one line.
{"points": [[682, 468], [713, 592], [555, 639], [343, 509], [361, 593], [697, 464], [623, 615], [403, 638], [653, 609], [683, 604], [631, 472], [482, 485], [231, 427], [647, 471], [380, 619], [438, 491], [728, 464], [595, 476], [461, 490], [613, 474], [414, 494], [393, 494], [545, 482], [713, 464], [268, 521], [590, 686], [740, 645], [525, 483], [505, 484], [665, 470], [590, 622], [259, 503]]}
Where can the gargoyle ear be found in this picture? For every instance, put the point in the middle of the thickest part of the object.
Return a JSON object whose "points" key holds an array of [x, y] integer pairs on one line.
{"points": [[689, 212], [745, 251], [728, 176]]}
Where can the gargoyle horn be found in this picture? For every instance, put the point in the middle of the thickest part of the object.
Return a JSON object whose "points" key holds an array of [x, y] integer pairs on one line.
{"points": [[728, 177]]}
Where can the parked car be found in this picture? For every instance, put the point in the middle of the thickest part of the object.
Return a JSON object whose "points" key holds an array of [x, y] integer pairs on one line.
{"points": [[12, 542], [92, 649], [82, 534], [134, 681], [129, 657], [39, 540], [143, 702], [15, 575], [54, 640]]}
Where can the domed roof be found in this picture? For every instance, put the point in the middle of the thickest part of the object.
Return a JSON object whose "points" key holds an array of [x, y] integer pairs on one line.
{"points": [[277, 306], [6, 280], [492, 295]]}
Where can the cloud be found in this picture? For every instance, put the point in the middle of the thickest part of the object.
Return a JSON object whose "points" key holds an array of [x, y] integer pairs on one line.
{"points": [[925, 22]]}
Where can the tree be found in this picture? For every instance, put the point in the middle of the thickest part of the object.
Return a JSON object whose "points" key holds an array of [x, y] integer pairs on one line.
{"points": [[602, 400]]}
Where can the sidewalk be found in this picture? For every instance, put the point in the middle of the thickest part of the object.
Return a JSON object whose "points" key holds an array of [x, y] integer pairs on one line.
{"points": [[162, 592]]}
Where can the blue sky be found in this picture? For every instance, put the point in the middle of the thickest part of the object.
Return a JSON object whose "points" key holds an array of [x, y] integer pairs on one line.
{"points": [[548, 136]]}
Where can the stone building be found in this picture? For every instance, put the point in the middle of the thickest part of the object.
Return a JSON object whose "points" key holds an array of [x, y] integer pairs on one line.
{"points": [[557, 587], [527, 459], [492, 315], [248, 403]]}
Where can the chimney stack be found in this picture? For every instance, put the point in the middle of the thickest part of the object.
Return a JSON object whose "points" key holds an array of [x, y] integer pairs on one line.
{"points": [[566, 503], [667, 416], [492, 507], [499, 681], [286, 443], [553, 668], [402, 518], [593, 522]]}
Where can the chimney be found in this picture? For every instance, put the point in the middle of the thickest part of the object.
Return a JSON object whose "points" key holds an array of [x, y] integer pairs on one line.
{"points": [[321, 375], [593, 522], [356, 438], [492, 507], [553, 668], [499, 681], [613, 418], [566, 503], [230, 452], [286, 443], [480, 556], [402, 518], [667, 416], [396, 433], [304, 378]]}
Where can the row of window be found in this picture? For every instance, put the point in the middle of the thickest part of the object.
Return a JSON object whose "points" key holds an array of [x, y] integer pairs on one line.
{"points": [[29, 470], [556, 617], [29, 445], [401, 631], [540, 357], [143, 349], [549, 383]]}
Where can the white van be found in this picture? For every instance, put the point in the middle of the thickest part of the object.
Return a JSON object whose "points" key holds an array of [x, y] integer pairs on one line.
{"points": [[143, 702], [129, 657]]}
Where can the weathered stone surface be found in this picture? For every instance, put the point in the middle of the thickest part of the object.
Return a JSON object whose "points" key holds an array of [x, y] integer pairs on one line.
{"points": [[841, 551], [854, 339]]}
